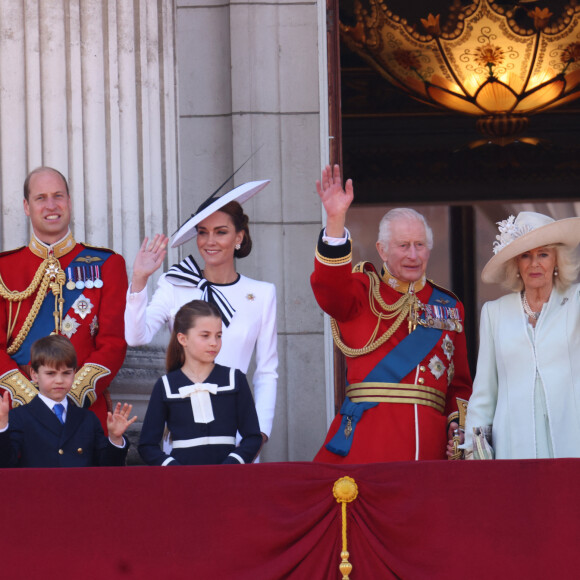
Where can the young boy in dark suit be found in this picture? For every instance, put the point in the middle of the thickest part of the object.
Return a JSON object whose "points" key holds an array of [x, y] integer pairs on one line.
{"points": [[51, 432]]}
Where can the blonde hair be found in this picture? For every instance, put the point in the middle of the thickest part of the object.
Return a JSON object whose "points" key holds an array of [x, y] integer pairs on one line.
{"points": [[566, 261]]}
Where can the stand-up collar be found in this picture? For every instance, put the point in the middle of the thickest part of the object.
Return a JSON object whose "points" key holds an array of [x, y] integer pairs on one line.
{"points": [[59, 249], [400, 285]]}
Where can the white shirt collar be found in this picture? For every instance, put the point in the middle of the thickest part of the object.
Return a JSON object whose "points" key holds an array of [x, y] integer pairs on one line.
{"points": [[50, 403]]}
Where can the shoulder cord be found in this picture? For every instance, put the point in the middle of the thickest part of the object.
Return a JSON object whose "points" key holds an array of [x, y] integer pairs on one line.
{"points": [[404, 307], [48, 273]]}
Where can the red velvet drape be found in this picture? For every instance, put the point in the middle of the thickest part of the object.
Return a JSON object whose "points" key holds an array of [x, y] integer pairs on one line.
{"points": [[426, 520]]}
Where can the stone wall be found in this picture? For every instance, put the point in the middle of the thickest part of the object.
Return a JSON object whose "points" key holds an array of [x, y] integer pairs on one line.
{"points": [[248, 80]]}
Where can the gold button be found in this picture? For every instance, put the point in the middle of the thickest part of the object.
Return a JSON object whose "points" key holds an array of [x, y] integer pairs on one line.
{"points": [[421, 381], [422, 368], [60, 452], [80, 450]]}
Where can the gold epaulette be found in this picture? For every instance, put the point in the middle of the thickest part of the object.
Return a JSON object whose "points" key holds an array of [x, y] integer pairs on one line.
{"points": [[84, 384], [363, 268], [21, 390]]}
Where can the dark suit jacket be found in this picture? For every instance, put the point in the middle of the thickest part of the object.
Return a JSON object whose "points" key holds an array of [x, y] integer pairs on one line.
{"points": [[36, 438]]}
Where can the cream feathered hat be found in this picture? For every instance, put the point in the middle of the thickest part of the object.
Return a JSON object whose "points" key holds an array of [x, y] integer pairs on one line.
{"points": [[525, 232]]}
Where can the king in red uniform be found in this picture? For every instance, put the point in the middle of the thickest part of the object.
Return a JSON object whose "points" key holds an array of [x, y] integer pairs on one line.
{"points": [[58, 285], [407, 370]]}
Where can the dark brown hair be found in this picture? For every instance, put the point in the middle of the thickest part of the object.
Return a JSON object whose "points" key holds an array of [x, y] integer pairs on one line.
{"points": [[184, 320], [53, 351], [42, 170], [240, 219]]}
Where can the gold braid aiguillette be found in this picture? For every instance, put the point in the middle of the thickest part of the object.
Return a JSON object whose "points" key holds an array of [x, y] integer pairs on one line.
{"points": [[407, 306], [49, 275]]}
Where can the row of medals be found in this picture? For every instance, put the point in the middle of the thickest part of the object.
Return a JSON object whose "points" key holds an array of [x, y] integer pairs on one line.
{"points": [[452, 323], [82, 284]]}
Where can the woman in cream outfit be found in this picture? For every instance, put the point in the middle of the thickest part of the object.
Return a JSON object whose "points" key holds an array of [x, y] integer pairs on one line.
{"points": [[527, 383]]}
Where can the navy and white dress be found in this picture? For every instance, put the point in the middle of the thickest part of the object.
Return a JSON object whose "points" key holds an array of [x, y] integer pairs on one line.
{"points": [[251, 308], [203, 419]]}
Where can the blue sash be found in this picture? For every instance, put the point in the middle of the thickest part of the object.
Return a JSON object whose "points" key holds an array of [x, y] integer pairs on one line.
{"points": [[44, 323], [402, 359], [395, 365]]}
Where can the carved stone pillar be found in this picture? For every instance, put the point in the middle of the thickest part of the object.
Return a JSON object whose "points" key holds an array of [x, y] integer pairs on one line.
{"points": [[88, 87]]}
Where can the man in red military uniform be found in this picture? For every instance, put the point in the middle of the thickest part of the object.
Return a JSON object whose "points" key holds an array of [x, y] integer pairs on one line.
{"points": [[58, 285], [402, 335]]}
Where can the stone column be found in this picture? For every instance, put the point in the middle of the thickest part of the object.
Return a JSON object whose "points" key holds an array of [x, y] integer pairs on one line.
{"points": [[249, 80], [89, 87]]}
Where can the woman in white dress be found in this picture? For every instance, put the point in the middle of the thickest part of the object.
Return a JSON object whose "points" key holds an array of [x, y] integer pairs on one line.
{"points": [[248, 307], [527, 383]]}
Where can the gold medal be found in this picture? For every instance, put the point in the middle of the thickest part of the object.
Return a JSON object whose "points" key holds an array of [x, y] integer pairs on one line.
{"points": [[70, 285]]}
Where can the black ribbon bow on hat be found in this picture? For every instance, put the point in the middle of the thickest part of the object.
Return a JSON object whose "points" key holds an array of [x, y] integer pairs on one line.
{"points": [[188, 273], [214, 196]]}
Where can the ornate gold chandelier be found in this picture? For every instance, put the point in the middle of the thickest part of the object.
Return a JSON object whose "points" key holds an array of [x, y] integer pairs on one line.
{"points": [[480, 62]]}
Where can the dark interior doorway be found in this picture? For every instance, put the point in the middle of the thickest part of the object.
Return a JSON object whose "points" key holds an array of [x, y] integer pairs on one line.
{"points": [[400, 151]]}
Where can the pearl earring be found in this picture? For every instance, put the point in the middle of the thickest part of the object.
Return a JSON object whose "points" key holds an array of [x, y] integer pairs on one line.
{"points": [[556, 271], [238, 246]]}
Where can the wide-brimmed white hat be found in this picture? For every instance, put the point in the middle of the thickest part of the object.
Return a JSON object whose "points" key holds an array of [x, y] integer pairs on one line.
{"points": [[240, 194], [524, 233]]}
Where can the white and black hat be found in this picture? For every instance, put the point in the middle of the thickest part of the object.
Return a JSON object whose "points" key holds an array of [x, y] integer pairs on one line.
{"points": [[240, 194]]}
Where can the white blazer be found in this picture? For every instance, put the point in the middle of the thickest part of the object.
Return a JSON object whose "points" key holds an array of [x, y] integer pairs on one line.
{"points": [[503, 389]]}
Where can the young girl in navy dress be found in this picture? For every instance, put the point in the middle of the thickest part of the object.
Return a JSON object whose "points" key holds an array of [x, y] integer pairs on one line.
{"points": [[202, 403]]}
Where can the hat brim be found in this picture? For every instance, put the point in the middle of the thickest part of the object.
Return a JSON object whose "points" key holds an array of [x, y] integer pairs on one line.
{"points": [[240, 194], [565, 232]]}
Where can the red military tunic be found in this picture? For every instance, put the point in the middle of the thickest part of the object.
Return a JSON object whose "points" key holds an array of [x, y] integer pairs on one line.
{"points": [[98, 336], [389, 431]]}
